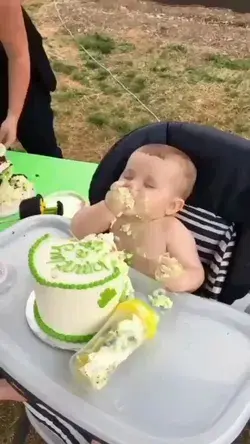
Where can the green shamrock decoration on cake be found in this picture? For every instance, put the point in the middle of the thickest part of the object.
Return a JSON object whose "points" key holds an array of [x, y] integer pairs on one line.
{"points": [[106, 296]]}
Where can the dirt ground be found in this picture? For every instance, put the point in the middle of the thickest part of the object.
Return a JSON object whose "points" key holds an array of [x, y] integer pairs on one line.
{"points": [[184, 63]]}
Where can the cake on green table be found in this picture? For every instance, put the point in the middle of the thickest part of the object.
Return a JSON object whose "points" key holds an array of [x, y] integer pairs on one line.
{"points": [[13, 187], [77, 284]]}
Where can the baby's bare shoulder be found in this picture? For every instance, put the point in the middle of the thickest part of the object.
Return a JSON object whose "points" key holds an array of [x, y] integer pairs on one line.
{"points": [[174, 227], [173, 223]]}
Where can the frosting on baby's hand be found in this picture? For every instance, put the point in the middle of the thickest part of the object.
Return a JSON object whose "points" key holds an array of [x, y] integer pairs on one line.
{"points": [[119, 199], [126, 197], [168, 268]]}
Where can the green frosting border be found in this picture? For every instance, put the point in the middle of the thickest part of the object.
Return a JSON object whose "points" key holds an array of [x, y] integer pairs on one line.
{"points": [[59, 336], [42, 281]]}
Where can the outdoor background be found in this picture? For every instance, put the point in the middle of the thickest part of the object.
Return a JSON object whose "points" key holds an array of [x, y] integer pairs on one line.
{"points": [[184, 63]]}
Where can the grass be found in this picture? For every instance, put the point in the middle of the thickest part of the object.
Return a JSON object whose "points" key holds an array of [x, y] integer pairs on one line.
{"points": [[175, 81], [97, 43], [221, 62]]}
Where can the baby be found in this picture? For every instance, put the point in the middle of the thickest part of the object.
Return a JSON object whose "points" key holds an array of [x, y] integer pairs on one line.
{"points": [[141, 208]]}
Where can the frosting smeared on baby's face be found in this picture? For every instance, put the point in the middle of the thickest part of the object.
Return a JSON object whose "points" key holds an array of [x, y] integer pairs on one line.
{"points": [[155, 184]]}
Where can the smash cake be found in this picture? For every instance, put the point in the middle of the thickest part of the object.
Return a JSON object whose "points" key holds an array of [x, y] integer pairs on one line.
{"points": [[5, 165], [78, 284], [13, 187]]}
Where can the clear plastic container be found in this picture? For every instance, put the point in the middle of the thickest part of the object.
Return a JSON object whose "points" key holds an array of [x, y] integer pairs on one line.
{"points": [[7, 277], [130, 325], [3, 273]]}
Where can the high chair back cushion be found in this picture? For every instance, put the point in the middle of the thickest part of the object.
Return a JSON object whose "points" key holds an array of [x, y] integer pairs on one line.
{"points": [[222, 189]]}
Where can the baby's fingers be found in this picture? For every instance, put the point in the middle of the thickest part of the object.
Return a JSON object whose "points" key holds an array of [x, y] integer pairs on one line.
{"points": [[167, 260], [162, 273]]}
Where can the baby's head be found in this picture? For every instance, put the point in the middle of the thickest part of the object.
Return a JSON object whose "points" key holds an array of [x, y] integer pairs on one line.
{"points": [[162, 177]]}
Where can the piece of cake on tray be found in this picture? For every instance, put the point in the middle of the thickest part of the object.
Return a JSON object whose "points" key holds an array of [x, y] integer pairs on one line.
{"points": [[77, 284]]}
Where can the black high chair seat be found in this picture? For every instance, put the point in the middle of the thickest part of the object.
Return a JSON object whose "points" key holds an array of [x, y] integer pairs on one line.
{"points": [[222, 188]]}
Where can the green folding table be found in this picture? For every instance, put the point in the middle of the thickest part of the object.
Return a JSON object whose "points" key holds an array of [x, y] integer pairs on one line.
{"points": [[50, 175]]}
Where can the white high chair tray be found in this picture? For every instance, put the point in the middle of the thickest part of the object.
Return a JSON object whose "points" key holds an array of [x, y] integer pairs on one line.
{"points": [[190, 385]]}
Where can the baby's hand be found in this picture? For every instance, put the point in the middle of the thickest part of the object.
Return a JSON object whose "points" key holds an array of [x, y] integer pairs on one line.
{"points": [[167, 268], [119, 199]]}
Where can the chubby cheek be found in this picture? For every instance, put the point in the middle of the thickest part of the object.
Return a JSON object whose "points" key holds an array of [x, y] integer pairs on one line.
{"points": [[147, 205], [158, 206], [142, 204]]}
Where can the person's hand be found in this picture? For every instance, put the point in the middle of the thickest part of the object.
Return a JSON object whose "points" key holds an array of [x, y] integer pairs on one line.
{"points": [[119, 199], [8, 131], [167, 268]]}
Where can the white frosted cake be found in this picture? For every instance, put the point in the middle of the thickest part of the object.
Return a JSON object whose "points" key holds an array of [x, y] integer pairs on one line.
{"points": [[77, 284], [5, 164], [13, 187]]}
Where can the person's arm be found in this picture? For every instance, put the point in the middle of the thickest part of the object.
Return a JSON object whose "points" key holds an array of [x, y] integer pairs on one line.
{"points": [[181, 266], [14, 39], [92, 220]]}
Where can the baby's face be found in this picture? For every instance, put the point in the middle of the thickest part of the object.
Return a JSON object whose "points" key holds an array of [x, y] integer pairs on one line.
{"points": [[154, 183]]}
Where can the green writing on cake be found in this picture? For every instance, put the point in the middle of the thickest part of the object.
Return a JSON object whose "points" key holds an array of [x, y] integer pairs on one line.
{"points": [[95, 245], [79, 257], [106, 296], [66, 261], [67, 247], [81, 253], [79, 268]]}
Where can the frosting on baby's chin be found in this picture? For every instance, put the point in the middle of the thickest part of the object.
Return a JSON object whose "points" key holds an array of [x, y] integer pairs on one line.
{"points": [[139, 210]]}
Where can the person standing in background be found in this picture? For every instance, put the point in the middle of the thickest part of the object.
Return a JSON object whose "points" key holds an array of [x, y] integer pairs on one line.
{"points": [[26, 83]]}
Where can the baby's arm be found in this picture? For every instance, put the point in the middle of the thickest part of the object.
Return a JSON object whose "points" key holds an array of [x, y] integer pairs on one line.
{"points": [[92, 220], [181, 249], [99, 217]]}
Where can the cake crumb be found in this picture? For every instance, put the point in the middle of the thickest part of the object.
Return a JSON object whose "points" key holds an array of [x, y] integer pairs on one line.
{"points": [[125, 228], [160, 299], [112, 223]]}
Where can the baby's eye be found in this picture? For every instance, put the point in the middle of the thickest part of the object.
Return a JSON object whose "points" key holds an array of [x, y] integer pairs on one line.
{"points": [[128, 176], [149, 185]]}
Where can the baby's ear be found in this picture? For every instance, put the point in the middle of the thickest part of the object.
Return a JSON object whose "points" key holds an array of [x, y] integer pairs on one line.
{"points": [[176, 206], [179, 204]]}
